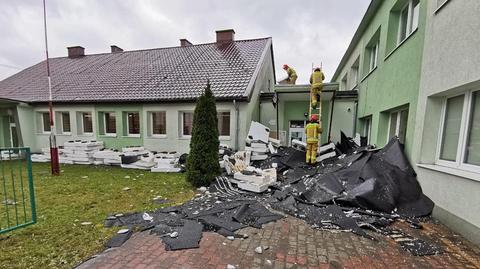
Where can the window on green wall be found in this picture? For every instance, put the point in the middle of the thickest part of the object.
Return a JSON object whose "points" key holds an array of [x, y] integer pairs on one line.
{"points": [[354, 73], [398, 125], [110, 123], [459, 145], [402, 23], [87, 125], [408, 20], [371, 53], [367, 128], [133, 123]]}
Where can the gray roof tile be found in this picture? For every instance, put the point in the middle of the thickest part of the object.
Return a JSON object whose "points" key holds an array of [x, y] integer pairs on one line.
{"points": [[164, 74]]}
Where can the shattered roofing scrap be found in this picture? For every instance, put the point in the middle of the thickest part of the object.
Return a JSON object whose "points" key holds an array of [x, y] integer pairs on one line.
{"points": [[163, 74], [367, 189]]}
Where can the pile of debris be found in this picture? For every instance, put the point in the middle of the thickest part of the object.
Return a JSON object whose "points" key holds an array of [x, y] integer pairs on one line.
{"points": [[80, 152], [359, 189], [93, 152]]}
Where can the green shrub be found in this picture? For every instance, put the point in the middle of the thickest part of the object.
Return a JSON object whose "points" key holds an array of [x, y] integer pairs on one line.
{"points": [[202, 163]]}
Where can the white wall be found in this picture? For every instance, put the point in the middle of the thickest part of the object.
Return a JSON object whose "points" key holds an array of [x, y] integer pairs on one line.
{"points": [[42, 139], [173, 140], [450, 65]]}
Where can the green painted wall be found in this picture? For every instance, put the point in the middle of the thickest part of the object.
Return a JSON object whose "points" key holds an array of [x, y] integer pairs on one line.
{"points": [[5, 131], [395, 81], [295, 110], [121, 139]]}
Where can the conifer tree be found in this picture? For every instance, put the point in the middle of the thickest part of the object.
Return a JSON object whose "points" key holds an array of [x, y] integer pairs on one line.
{"points": [[202, 163]]}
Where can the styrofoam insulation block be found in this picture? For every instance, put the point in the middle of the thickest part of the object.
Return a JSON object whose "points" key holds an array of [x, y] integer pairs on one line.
{"points": [[258, 131], [326, 156]]}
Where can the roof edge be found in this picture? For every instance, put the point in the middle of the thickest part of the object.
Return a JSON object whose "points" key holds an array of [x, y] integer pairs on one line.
{"points": [[364, 23], [169, 47], [251, 84]]}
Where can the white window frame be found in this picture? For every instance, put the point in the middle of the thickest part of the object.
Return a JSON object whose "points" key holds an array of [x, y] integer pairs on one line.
{"points": [[61, 122], [104, 114], [82, 115], [43, 123], [128, 124], [344, 82], [182, 135], [355, 76], [412, 21], [374, 56], [225, 137], [150, 116], [397, 124], [367, 128], [459, 162]]}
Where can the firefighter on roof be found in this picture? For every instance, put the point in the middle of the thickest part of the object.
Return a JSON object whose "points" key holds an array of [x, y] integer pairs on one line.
{"points": [[292, 75]]}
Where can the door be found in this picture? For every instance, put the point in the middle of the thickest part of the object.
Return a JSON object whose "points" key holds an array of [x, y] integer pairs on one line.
{"points": [[296, 131], [13, 135]]}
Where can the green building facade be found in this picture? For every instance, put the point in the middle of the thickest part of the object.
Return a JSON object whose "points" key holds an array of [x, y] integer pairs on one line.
{"points": [[383, 62]]}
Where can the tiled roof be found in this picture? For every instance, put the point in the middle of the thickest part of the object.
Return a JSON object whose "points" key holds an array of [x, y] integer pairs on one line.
{"points": [[164, 74]]}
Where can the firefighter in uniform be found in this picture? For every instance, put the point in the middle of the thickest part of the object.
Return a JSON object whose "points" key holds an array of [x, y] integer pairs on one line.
{"points": [[313, 132], [292, 75], [316, 80]]}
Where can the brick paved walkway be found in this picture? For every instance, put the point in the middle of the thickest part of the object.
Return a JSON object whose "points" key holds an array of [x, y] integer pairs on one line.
{"points": [[293, 244]]}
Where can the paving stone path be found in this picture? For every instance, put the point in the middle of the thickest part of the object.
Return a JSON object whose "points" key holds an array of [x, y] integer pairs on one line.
{"points": [[292, 244]]}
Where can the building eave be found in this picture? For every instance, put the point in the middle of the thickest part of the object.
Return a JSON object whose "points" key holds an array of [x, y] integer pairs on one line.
{"points": [[365, 22]]}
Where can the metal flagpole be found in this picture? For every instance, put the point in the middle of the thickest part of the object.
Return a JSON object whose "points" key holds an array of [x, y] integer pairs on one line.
{"points": [[53, 141]]}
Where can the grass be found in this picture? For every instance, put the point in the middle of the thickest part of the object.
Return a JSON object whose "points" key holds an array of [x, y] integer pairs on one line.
{"points": [[83, 194]]}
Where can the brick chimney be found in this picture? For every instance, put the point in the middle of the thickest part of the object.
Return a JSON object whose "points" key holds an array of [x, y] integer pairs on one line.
{"points": [[115, 49], [227, 35], [185, 43], [76, 52]]}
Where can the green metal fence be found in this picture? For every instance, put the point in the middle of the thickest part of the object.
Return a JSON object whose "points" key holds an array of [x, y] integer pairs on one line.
{"points": [[17, 197]]}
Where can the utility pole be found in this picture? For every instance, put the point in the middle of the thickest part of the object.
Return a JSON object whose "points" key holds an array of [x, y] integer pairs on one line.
{"points": [[53, 141]]}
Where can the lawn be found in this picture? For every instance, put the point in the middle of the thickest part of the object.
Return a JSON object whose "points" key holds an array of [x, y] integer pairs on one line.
{"points": [[83, 194]]}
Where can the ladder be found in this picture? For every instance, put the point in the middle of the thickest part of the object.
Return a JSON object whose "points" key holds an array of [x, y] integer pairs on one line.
{"points": [[315, 111]]}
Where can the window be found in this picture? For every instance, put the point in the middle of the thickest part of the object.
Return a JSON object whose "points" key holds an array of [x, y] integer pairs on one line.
{"points": [[460, 133], [472, 148], [46, 122], [343, 84], [133, 123], [110, 123], [451, 128], [223, 123], [398, 125], [370, 61], [87, 126], [354, 72], [187, 123], [65, 118], [373, 52], [159, 123], [367, 128], [408, 20]]}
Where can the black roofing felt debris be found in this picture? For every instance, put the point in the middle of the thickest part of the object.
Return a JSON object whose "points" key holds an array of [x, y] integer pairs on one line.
{"points": [[189, 236], [118, 239], [364, 190]]}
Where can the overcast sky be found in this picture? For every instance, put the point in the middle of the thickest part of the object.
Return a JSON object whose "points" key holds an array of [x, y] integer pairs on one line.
{"points": [[303, 32]]}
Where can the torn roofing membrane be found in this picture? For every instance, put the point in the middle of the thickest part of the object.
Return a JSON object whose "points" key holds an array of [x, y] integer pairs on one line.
{"points": [[363, 189]]}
